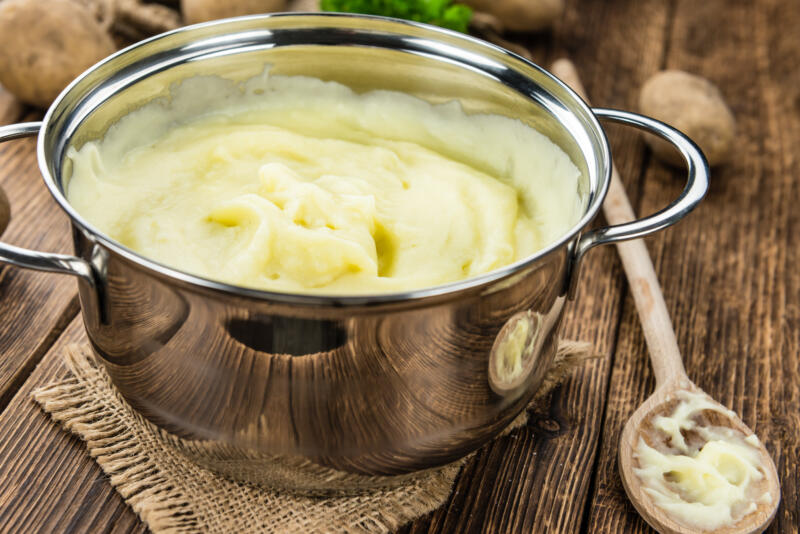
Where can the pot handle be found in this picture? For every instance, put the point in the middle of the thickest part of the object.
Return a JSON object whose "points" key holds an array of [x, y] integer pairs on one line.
{"points": [[692, 194], [31, 259]]}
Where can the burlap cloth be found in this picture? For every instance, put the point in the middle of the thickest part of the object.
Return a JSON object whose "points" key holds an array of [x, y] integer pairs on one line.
{"points": [[171, 494]]}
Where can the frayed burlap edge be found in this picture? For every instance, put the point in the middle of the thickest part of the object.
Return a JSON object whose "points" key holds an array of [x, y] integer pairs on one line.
{"points": [[174, 495]]}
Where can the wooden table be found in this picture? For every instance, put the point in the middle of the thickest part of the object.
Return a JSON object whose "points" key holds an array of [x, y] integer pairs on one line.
{"points": [[730, 274]]}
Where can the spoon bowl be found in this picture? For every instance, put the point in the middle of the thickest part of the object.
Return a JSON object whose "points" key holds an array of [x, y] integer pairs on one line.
{"points": [[639, 426]]}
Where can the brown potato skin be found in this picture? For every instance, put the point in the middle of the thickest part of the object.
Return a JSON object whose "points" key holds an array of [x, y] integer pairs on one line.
{"points": [[45, 44], [694, 106], [5, 211], [204, 10], [521, 15]]}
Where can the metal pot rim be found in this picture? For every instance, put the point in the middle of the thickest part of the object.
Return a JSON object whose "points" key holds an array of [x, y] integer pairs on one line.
{"points": [[596, 196]]}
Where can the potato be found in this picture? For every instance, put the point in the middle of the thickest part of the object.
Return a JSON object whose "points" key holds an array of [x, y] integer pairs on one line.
{"points": [[5, 211], [303, 5], [694, 106], [45, 44], [521, 15], [205, 10]]}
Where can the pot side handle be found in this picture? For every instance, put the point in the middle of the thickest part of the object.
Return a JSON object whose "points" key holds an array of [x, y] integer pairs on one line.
{"points": [[31, 259], [696, 188]]}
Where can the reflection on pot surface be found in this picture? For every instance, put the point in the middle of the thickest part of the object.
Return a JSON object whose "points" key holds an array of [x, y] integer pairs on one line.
{"points": [[513, 359], [379, 393]]}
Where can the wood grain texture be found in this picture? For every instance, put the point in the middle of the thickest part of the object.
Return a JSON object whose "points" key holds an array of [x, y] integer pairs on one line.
{"points": [[730, 271], [39, 305], [47, 481], [668, 371], [507, 488]]}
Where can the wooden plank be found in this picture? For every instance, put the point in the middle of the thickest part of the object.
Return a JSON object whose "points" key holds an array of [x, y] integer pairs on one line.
{"points": [[538, 478], [35, 307], [48, 483], [730, 271]]}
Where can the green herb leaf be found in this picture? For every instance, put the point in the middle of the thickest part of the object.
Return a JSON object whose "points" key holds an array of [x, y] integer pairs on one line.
{"points": [[442, 13]]}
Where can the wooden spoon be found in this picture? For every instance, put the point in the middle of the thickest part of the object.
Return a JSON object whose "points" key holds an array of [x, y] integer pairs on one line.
{"points": [[5, 211], [668, 368]]}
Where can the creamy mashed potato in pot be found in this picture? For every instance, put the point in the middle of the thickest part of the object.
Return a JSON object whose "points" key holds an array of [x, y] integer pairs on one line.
{"points": [[299, 185]]}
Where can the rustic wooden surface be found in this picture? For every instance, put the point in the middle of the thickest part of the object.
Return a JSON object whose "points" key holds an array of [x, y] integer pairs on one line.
{"points": [[729, 272]]}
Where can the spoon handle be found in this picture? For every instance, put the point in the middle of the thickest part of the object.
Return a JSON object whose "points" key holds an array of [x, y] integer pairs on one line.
{"points": [[5, 211], [665, 356]]}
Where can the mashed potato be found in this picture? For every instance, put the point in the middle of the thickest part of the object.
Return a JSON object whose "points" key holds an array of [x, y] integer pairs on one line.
{"points": [[302, 185]]}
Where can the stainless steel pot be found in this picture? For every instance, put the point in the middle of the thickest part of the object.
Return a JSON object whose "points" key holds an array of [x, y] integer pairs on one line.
{"points": [[375, 385]]}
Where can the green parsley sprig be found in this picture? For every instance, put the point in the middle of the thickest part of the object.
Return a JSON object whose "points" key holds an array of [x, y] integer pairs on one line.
{"points": [[442, 13]]}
